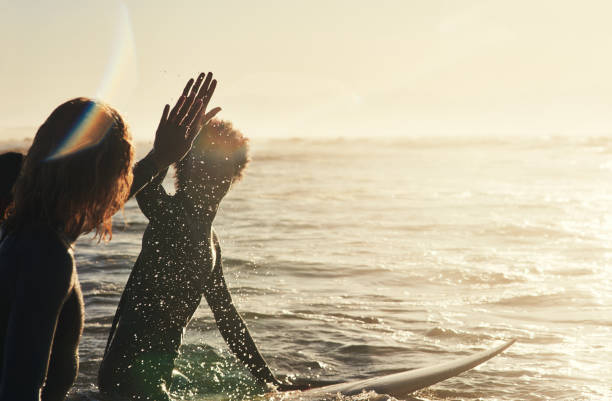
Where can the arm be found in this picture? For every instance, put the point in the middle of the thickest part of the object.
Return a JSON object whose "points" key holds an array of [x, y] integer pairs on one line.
{"points": [[177, 130], [144, 172], [232, 327], [153, 199], [64, 363], [46, 280]]}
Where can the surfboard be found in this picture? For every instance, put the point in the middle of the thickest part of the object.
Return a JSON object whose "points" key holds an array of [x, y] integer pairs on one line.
{"points": [[399, 384]]}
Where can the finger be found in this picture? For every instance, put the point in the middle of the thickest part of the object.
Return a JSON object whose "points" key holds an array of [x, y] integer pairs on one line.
{"points": [[209, 93], [207, 117], [187, 87], [181, 101], [185, 110], [195, 87], [194, 91], [197, 129], [177, 108], [211, 114], [164, 116], [204, 88], [193, 113]]}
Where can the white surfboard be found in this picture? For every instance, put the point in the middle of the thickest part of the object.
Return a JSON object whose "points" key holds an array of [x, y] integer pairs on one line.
{"points": [[400, 384]]}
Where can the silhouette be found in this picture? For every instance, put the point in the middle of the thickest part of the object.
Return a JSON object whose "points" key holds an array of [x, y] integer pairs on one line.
{"points": [[10, 166], [179, 262]]}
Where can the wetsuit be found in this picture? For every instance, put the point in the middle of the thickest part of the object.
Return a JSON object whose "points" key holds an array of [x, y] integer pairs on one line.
{"points": [[41, 309], [174, 269], [41, 315]]}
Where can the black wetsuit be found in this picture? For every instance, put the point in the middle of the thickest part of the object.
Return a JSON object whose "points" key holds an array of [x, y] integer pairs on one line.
{"points": [[39, 290], [41, 309], [174, 269]]}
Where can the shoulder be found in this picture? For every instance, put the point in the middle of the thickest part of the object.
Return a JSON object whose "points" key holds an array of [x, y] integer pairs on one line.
{"points": [[44, 256]]}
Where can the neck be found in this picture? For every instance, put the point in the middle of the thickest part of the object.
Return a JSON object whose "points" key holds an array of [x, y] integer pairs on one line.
{"points": [[67, 238]]}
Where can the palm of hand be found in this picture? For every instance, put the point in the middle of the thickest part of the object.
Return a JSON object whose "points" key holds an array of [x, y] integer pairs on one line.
{"points": [[178, 128]]}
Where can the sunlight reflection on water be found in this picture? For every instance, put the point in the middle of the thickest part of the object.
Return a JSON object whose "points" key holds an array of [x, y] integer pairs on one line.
{"points": [[409, 254]]}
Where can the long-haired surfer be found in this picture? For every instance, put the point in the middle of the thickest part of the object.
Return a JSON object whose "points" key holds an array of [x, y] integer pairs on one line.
{"points": [[76, 175]]}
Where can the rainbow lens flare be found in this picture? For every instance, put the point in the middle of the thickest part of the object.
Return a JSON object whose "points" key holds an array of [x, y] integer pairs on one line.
{"points": [[119, 80], [87, 131]]}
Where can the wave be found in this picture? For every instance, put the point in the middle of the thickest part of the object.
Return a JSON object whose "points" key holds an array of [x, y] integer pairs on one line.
{"points": [[296, 268], [463, 275], [363, 349], [412, 141], [441, 141], [461, 335], [524, 231], [553, 299]]}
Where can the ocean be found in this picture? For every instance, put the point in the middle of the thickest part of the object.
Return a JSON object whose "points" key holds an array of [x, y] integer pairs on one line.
{"points": [[355, 258]]}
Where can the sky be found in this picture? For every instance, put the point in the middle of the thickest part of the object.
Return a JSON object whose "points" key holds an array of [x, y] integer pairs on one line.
{"points": [[318, 68]]}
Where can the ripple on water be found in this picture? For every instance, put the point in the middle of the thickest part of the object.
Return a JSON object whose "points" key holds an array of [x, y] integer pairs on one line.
{"points": [[427, 253]]}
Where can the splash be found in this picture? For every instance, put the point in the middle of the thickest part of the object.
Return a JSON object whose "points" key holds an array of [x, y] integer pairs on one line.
{"points": [[119, 79]]}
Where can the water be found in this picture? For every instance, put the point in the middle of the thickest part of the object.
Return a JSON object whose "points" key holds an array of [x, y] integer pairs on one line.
{"points": [[354, 258]]}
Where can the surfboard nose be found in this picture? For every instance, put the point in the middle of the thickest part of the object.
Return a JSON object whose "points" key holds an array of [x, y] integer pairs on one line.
{"points": [[401, 384]]}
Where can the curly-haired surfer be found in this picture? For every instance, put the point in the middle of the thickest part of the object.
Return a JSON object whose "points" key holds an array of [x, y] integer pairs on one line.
{"points": [[179, 262]]}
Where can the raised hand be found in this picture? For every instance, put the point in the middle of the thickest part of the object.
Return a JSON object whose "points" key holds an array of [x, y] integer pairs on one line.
{"points": [[178, 128]]}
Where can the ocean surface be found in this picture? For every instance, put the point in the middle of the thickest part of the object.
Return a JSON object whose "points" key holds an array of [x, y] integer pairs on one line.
{"points": [[355, 258]]}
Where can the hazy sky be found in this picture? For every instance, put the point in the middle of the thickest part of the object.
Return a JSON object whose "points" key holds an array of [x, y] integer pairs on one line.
{"points": [[293, 68]]}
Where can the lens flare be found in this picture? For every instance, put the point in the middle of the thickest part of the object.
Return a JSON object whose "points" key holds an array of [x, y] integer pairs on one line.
{"points": [[89, 130], [120, 78], [121, 73]]}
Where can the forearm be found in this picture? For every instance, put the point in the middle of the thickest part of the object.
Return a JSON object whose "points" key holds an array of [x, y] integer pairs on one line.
{"points": [[64, 361], [58, 384], [237, 336], [144, 172]]}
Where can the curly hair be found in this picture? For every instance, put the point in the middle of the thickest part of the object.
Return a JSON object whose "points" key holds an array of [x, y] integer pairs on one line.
{"points": [[219, 146], [77, 173]]}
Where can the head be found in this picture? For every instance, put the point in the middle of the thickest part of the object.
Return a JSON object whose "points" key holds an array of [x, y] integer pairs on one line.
{"points": [[77, 173], [10, 166], [217, 160]]}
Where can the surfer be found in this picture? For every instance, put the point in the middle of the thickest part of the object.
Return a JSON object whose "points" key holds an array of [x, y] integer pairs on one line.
{"points": [[10, 165], [62, 192], [179, 262]]}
